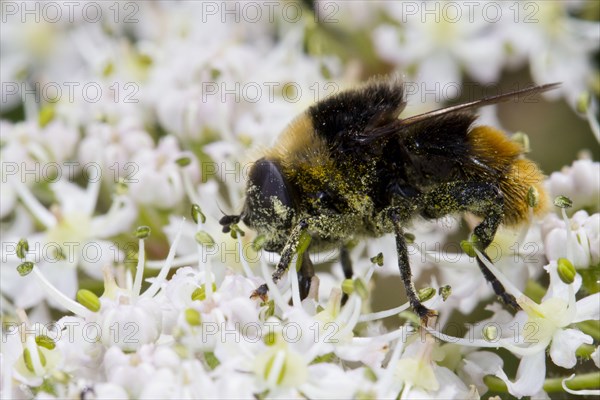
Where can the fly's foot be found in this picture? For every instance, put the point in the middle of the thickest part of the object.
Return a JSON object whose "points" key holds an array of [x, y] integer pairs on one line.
{"points": [[425, 314], [510, 301], [262, 292]]}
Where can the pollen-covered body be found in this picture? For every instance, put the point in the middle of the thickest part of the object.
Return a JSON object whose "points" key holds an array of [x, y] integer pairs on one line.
{"points": [[346, 176], [350, 167]]}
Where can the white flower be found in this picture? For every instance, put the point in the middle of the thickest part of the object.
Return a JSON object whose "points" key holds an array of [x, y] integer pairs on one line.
{"points": [[580, 182], [33, 156], [439, 47], [130, 326], [576, 239], [74, 238], [157, 169], [423, 378], [119, 144], [548, 324]]}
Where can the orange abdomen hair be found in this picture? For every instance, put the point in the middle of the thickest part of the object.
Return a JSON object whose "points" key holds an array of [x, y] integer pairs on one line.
{"points": [[515, 174]]}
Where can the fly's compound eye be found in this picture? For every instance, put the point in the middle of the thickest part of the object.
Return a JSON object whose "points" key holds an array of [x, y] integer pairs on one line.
{"points": [[269, 197]]}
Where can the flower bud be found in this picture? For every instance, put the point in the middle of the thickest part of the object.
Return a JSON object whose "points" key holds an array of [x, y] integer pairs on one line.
{"points": [[378, 259], [490, 333], [88, 299], [445, 292], [566, 271], [203, 238], [142, 232], [193, 317], [235, 231], [183, 161], [45, 342], [409, 237], [563, 202], [348, 286], [22, 248], [533, 197], [200, 293], [197, 214], [426, 293], [25, 268]]}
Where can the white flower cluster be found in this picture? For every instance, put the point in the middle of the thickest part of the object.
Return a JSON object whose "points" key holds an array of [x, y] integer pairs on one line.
{"points": [[117, 115]]}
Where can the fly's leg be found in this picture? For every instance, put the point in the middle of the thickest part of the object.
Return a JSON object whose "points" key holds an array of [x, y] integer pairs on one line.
{"points": [[287, 254], [406, 274], [482, 199], [346, 267], [305, 275]]}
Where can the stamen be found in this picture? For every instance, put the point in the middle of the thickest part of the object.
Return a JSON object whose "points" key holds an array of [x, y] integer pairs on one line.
{"points": [[189, 187], [510, 287], [245, 265], [177, 262], [369, 273], [162, 275], [57, 295], [384, 314], [208, 276], [293, 276], [399, 333], [472, 342], [570, 243], [139, 271]]}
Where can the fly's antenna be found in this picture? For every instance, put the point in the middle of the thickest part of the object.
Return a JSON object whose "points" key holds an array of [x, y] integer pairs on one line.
{"points": [[227, 220]]}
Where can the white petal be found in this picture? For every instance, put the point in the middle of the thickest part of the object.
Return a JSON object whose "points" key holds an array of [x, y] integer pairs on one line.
{"points": [[588, 308], [8, 199], [564, 344], [596, 356], [96, 254], [119, 219], [541, 395], [557, 287], [479, 364], [72, 198], [530, 375]]}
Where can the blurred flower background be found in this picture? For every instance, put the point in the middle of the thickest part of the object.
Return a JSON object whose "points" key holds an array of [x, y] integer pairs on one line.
{"points": [[118, 118]]}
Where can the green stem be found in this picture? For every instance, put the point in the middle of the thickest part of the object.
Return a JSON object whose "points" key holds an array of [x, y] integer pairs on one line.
{"points": [[585, 351], [535, 291], [551, 385], [495, 384], [590, 380], [591, 328]]}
